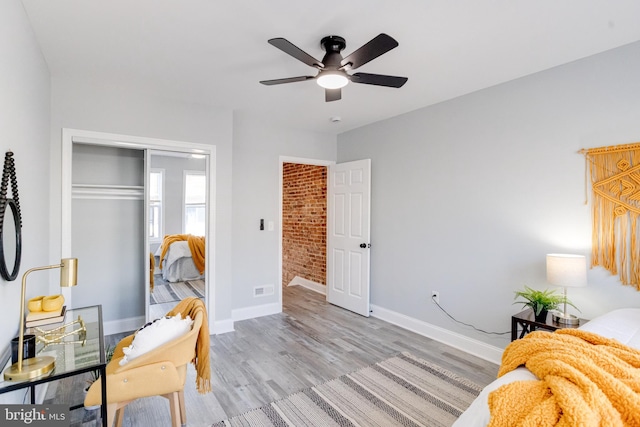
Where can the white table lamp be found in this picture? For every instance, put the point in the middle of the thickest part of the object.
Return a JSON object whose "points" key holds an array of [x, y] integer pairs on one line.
{"points": [[567, 271]]}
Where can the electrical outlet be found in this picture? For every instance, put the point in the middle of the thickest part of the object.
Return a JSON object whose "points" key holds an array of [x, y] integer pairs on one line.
{"points": [[435, 297]]}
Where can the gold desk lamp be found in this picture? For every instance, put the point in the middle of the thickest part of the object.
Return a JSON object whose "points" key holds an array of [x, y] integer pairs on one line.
{"points": [[39, 365]]}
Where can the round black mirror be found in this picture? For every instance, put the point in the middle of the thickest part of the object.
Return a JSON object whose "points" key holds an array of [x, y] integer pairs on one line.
{"points": [[10, 239]]}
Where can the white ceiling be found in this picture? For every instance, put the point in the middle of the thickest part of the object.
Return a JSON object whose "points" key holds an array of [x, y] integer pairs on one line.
{"points": [[215, 52]]}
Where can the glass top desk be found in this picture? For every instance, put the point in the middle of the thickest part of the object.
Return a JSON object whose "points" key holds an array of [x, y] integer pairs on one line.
{"points": [[77, 354]]}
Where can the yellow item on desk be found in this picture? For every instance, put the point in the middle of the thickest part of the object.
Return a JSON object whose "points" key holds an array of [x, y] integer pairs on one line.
{"points": [[52, 303], [35, 304], [48, 303]]}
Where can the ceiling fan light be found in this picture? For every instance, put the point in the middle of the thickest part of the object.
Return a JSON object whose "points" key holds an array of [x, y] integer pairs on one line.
{"points": [[332, 80]]}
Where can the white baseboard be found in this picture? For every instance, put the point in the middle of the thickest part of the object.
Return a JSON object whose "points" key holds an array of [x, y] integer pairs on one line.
{"points": [[222, 326], [314, 286], [123, 325], [461, 342], [255, 311]]}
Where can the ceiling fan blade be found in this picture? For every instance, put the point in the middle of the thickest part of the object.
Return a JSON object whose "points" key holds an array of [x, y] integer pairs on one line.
{"points": [[287, 80], [332, 94], [378, 80], [380, 44], [287, 47]]}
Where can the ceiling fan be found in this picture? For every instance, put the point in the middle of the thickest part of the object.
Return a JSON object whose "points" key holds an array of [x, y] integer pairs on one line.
{"points": [[332, 74]]}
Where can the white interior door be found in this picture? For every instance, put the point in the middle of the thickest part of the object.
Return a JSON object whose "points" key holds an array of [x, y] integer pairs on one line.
{"points": [[348, 232]]}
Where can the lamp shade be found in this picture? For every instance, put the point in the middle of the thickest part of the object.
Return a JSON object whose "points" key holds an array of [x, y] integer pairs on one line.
{"points": [[68, 272], [567, 270]]}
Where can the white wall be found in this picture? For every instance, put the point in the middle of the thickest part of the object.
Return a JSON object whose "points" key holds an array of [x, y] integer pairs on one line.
{"points": [[24, 129], [120, 110], [257, 147], [471, 194]]}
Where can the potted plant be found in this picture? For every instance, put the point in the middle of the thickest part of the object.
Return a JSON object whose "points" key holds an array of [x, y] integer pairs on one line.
{"points": [[95, 374], [541, 302]]}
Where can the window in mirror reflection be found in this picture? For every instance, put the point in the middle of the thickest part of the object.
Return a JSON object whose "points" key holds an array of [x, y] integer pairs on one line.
{"points": [[156, 180], [194, 202]]}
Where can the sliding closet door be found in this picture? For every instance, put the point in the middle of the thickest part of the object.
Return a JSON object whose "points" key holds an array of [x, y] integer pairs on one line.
{"points": [[171, 170], [108, 229]]}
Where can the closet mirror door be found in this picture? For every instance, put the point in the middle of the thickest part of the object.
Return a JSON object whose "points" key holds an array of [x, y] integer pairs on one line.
{"points": [[175, 218]]}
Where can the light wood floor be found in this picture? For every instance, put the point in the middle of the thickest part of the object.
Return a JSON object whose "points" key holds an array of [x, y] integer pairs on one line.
{"points": [[268, 358]]}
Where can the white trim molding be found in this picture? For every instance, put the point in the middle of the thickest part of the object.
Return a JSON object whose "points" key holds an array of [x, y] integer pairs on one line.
{"points": [[461, 342], [256, 311], [309, 284], [222, 327], [123, 325]]}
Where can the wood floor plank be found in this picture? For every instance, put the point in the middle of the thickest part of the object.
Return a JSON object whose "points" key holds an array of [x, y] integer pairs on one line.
{"points": [[268, 358]]}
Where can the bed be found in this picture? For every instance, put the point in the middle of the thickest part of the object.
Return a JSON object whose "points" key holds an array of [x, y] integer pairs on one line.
{"points": [[622, 325], [183, 258]]}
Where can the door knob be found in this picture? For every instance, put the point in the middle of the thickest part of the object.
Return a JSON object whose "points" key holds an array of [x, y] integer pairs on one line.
{"points": [[364, 245]]}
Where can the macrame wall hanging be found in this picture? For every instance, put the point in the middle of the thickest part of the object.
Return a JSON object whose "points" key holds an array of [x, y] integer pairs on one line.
{"points": [[615, 184]]}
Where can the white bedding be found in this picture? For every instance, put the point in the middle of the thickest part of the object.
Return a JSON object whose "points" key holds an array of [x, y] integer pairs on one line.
{"points": [[622, 324], [178, 263]]}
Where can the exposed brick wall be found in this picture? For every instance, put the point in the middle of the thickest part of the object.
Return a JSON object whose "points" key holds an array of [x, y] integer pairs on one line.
{"points": [[304, 222]]}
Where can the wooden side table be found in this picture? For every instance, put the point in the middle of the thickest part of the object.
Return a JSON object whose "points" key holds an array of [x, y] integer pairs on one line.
{"points": [[525, 322]]}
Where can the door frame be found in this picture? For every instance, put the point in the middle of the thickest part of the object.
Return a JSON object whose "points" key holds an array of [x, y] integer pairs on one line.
{"points": [[302, 161], [69, 136]]}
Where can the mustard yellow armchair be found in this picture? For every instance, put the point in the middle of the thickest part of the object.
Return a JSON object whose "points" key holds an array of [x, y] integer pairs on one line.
{"points": [[160, 372]]}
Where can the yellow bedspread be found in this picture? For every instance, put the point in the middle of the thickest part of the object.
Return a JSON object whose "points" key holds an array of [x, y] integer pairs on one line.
{"points": [[196, 245], [585, 380]]}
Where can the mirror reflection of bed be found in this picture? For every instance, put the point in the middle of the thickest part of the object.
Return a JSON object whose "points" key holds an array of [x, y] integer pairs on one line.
{"points": [[177, 213], [177, 271]]}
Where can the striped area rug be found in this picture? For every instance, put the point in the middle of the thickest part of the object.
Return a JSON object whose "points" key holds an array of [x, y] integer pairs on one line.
{"points": [[401, 391], [177, 291]]}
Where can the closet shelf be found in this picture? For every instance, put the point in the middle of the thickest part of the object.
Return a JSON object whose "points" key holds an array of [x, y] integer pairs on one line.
{"points": [[101, 191]]}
